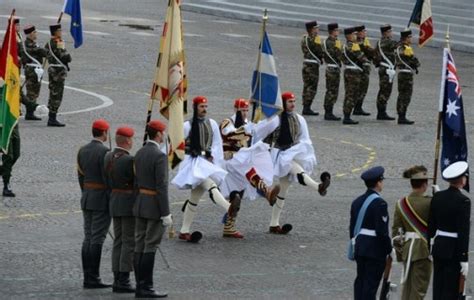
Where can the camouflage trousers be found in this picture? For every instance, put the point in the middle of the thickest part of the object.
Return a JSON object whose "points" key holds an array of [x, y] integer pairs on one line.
{"points": [[32, 88], [405, 90], [57, 77], [352, 79], [310, 82], [9, 159], [385, 88], [333, 78], [364, 85]]}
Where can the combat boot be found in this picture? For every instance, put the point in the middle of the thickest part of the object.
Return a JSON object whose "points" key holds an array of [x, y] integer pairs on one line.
{"points": [[7, 191], [145, 287], [53, 121], [348, 121], [307, 111], [359, 111], [95, 282], [329, 116], [402, 119], [382, 114], [30, 114], [122, 284]]}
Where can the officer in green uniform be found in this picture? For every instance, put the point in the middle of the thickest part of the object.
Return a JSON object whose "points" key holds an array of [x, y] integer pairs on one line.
{"points": [[32, 60], [385, 61], [312, 59], [120, 181], [353, 59], [332, 56], [58, 59], [410, 225], [364, 44], [407, 65]]}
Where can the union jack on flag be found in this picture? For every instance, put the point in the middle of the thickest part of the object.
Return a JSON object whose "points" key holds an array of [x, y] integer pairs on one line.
{"points": [[454, 143]]}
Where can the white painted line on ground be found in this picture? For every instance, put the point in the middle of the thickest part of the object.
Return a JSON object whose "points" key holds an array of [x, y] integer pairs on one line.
{"points": [[8, 16], [50, 17], [44, 32], [223, 22], [143, 33], [193, 35], [96, 32], [282, 36], [188, 21], [235, 35]]}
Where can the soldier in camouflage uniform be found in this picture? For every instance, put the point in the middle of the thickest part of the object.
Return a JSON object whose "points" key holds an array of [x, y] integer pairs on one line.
{"points": [[313, 58], [353, 60], [58, 59], [32, 59], [365, 47], [333, 56], [407, 64], [385, 53]]}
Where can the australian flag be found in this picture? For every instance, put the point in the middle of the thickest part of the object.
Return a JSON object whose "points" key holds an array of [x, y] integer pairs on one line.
{"points": [[73, 8], [265, 90], [454, 144]]}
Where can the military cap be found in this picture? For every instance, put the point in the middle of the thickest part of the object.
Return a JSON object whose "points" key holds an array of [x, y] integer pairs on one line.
{"points": [[16, 21], [288, 96], [157, 125], [241, 103], [349, 30], [310, 25], [385, 28], [416, 172], [405, 33], [455, 170], [360, 28], [29, 29], [100, 124], [199, 100], [373, 174], [54, 28], [125, 131], [333, 26]]}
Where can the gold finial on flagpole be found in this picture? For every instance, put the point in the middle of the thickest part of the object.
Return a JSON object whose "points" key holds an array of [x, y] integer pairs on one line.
{"points": [[447, 37], [265, 15]]}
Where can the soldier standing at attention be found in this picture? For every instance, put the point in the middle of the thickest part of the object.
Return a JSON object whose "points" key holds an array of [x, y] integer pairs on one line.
{"points": [[410, 231], [312, 59], [372, 243], [448, 229], [368, 51], [58, 59], [94, 203], [120, 181], [332, 56], [354, 60], [32, 59], [151, 208], [407, 65], [386, 63]]}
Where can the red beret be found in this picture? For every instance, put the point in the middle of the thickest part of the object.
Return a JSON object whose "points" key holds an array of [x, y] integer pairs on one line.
{"points": [[199, 100], [100, 124], [157, 125], [125, 131], [288, 96], [241, 103]]}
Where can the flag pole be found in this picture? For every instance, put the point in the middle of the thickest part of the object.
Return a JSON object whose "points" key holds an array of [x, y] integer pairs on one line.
{"points": [[60, 17], [440, 113], [259, 59]]}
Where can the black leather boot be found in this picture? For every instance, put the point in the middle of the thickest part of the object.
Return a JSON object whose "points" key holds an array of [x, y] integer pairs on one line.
{"points": [[53, 121], [137, 257], [348, 121], [382, 114], [85, 263], [95, 282], [402, 120], [329, 116], [7, 191], [145, 289], [359, 111], [123, 285], [30, 114], [307, 111]]}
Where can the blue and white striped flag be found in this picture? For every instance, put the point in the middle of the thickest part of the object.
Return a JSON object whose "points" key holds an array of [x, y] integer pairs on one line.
{"points": [[265, 91]]}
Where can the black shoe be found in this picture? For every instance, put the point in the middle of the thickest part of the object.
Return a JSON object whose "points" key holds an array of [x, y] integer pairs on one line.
{"points": [[348, 121], [402, 120], [53, 121], [360, 112], [384, 117], [307, 111], [95, 282], [7, 192], [122, 284], [145, 287], [30, 116], [331, 117]]}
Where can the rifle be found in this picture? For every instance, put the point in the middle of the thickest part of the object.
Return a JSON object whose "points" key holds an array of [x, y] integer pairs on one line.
{"points": [[386, 285]]}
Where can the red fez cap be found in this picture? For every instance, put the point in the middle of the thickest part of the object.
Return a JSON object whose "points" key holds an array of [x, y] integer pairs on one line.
{"points": [[199, 100], [125, 131], [288, 96], [241, 103], [157, 125], [100, 124], [29, 29]]}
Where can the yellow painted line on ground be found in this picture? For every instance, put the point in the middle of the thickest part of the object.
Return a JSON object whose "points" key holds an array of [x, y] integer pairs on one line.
{"points": [[341, 174], [346, 142]]}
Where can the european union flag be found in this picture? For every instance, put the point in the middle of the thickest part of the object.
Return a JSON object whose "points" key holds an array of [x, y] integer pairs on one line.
{"points": [[454, 129], [73, 8]]}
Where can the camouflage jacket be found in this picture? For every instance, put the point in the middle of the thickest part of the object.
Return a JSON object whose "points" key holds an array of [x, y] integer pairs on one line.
{"points": [[311, 47], [406, 58], [59, 50], [33, 50], [388, 47], [332, 51], [353, 54]]}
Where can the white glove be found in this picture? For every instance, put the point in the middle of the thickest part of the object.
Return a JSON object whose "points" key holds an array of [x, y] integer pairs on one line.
{"points": [[167, 220], [393, 254], [464, 268], [435, 188]]}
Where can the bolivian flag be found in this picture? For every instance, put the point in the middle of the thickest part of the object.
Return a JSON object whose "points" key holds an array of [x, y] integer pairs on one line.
{"points": [[9, 86]]}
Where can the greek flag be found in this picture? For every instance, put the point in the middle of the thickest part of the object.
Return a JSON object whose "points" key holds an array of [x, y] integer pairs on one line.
{"points": [[265, 92], [73, 8]]}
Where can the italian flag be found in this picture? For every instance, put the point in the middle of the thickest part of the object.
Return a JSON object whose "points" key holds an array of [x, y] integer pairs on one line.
{"points": [[9, 85]]}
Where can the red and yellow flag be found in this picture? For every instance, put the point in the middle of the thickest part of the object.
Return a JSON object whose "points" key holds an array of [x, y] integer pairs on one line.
{"points": [[170, 83], [9, 85]]}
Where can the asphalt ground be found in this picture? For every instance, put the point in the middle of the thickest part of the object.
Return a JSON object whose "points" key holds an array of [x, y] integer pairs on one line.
{"points": [[41, 229]]}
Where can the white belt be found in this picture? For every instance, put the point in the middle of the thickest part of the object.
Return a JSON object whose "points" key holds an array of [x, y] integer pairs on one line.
{"points": [[386, 65], [369, 232], [446, 234], [405, 71], [352, 68], [56, 65], [313, 61], [33, 65], [409, 235], [333, 66]]}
